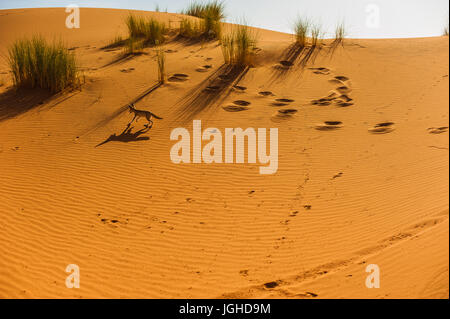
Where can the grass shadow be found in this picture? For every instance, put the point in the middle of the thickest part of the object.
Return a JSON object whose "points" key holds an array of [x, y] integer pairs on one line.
{"points": [[15, 102], [295, 58], [211, 91], [122, 58], [337, 43]]}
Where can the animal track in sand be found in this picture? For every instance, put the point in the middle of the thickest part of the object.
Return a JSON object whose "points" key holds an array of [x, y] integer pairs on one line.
{"points": [[239, 106], [212, 88], [322, 102], [242, 103], [286, 63], [285, 100], [282, 102], [281, 285], [344, 89], [127, 70], [326, 100], [204, 68], [438, 130], [383, 128], [344, 101], [178, 77], [329, 126], [284, 114], [342, 78], [239, 89], [322, 71], [266, 93], [235, 108]]}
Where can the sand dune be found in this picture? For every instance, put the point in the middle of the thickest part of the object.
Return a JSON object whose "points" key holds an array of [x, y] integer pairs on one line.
{"points": [[362, 175]]}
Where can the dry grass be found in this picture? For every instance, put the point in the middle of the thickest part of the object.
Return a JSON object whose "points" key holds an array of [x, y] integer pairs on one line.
{"points": [[213, 9], [133, 46], [316, 35], [209, 27], [149, 30], [161, 61], [36, 63], [190, 28], [340, 33], [301, 30], [238, 46]]}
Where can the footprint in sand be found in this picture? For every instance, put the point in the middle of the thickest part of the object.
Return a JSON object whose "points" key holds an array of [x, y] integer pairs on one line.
{"points": [[438, 130], [383, 128], [284, 114], [178, 77], [235, 108], [344, 101], [329, 126], [212, 88], [271, 285], [340, 80], [321, 71], [266, 93], [224, 77], [204, 68], [127, 70], [344, 89], [239, 89], [284, 65], [282, 102], [322, 102], [238, 106], [242, 103], [325, 101]]}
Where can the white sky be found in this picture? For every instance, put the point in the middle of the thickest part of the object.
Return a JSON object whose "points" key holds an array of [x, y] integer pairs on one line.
{"points": [[363, 18]]}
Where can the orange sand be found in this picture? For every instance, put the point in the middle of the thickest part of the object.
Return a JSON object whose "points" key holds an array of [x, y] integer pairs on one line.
{"points": [[140, 226]]}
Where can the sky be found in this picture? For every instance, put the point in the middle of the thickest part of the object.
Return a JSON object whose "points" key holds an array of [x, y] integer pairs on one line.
{"points": [[363, 18]]}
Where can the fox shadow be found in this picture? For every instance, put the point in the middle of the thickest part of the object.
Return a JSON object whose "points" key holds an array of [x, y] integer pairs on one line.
{"points": [[128, 136]]}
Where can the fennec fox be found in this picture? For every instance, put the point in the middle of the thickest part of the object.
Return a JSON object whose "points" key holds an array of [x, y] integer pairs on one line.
{"points": [[139, 113]]}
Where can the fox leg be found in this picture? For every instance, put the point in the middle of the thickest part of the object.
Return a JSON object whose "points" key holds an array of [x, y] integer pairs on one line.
{"points": [[132, 120]]}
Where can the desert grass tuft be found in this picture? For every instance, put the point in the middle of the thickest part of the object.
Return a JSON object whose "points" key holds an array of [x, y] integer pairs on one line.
{"points": [[150, 30], [190, 28], [238, 46], [37, 63], [214, 9], [316, 35], [340, 33], [211, 15], [133, 46], [301, 30], [445, 33], [161, 61]]}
